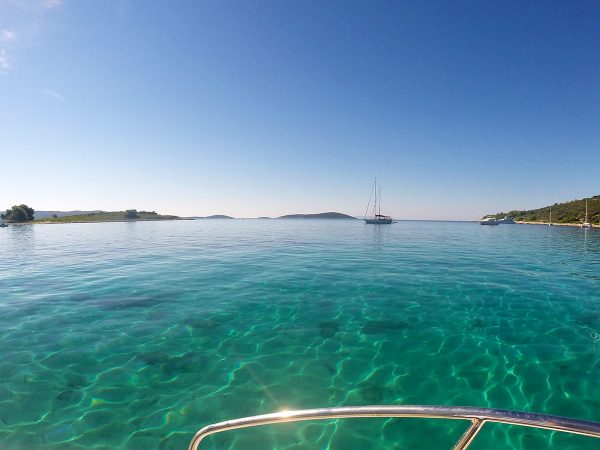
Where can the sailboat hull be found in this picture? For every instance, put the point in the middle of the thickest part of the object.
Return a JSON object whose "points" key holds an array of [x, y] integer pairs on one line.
{"points": [[385, 221]]}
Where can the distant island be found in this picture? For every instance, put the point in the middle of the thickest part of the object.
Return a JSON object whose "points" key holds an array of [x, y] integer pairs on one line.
{"points": [[325, 215], [568, 213], [25, 214], [129, 215], [215, 216]]}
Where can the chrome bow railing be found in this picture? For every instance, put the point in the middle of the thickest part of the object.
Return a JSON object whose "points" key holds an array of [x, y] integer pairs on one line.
{"points": [[477, 416]]}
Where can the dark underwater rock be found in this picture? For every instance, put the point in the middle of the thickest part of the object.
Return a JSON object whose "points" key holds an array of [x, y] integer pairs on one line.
{"points": [[328, 329]]}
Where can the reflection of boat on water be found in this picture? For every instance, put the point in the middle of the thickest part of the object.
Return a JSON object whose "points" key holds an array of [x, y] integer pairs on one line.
{"points": [[586, 224], [377, 218], [489, 221], [477, 416]]}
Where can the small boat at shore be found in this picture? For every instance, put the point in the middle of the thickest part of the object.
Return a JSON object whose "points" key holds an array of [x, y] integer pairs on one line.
{"points": [[2, 224], [489, 221], [586, 224], [377, 218]]}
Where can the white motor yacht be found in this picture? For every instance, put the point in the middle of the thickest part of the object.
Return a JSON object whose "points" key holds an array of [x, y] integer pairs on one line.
{"points": [[507, 219], [489, 221]]}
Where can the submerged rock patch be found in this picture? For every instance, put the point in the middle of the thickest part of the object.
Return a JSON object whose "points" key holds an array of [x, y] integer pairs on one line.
{"points": [[328, 329]]}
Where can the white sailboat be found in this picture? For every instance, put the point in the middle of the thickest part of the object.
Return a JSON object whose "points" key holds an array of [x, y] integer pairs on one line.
{"points": [[377, 218], [586, 224], [550, 223]]}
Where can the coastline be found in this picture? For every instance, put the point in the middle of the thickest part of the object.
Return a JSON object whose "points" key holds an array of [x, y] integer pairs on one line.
{"points": [[49, 222], [578, 225]]}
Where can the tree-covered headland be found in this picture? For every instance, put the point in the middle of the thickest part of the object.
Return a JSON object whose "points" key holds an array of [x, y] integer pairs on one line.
{"points": [[25, 214], [568, 212]]}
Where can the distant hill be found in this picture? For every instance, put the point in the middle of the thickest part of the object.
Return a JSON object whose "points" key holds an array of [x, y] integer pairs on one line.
{"points": [[105, 216], [568, 212], [216, 216], [45, 214], [325, 215]]}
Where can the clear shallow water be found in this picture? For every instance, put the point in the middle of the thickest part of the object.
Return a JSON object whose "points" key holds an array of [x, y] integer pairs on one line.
{"points": [[135, 335]]}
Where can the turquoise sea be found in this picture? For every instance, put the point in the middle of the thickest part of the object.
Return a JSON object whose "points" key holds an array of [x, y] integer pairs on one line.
{"points": [[135, 335]]}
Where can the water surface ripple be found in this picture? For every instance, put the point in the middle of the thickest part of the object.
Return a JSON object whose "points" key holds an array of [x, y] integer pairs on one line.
{"points": [[134, 335]]}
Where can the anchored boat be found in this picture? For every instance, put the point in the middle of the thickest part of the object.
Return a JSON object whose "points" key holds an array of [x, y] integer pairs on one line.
{"points": [[507, 220], [477, 416], [377, 218], [489, 221], [586, 224]]}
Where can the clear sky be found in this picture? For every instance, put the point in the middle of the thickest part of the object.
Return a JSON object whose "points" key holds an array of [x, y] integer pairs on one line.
{"points": [[249, 108]]}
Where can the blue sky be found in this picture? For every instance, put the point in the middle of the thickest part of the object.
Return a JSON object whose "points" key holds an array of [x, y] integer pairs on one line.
{"points": [[272, 107]]}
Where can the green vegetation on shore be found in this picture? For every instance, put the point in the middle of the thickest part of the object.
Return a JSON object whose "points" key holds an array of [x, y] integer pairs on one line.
{"points": [[568, 212], [18, 213], [112, 216]]}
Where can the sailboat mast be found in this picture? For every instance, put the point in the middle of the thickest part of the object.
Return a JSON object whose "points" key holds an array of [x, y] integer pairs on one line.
{"points": [[369, 202], [586, 210], [375, 204], [379, 200]]}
